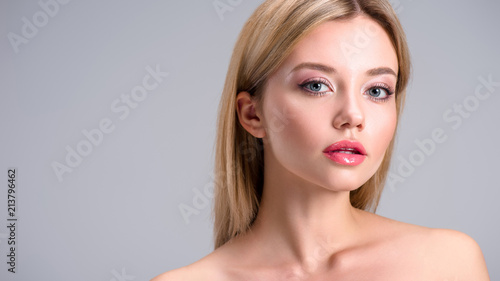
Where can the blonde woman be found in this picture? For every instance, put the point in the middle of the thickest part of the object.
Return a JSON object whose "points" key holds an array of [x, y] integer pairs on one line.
{"points": [[306, 127]]}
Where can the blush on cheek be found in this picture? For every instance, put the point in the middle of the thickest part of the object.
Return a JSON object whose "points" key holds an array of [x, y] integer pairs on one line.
{"points": [[387, 134], [380, 132]]}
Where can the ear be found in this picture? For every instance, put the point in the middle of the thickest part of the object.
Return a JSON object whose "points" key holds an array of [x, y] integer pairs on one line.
{"points": [[248, 116]]}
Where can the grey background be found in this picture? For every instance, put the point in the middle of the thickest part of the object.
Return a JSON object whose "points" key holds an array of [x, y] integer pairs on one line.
{"points": [[116, 215]]}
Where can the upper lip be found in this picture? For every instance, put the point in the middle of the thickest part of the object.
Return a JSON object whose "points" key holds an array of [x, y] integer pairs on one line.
{"points": [[346, 145]]}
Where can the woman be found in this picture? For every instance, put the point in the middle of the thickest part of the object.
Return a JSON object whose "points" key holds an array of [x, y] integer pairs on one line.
{"points": [[306, 128]]}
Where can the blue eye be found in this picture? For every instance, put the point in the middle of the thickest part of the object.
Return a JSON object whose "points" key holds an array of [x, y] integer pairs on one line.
{"points": [[379, 93], [316, 87]]}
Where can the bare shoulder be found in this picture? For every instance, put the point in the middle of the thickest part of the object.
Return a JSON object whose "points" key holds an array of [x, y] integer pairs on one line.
{"points": [[203, 269], [176, 274], [444, 253], [391, 229], [457, 252], [191, 272]]}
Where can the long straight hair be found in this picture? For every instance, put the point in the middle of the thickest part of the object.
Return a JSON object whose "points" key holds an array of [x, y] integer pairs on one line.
{"points": [[265, 41]]}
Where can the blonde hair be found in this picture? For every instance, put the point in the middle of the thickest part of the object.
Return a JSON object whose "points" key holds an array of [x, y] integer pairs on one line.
{"points": [[265, 41]]}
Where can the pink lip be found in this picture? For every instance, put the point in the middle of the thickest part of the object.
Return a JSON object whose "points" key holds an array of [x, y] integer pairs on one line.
{"points": [[341, 152]]}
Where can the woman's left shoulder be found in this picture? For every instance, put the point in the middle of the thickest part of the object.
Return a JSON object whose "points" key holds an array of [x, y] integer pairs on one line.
{"points": [[440, 253], [445, 252], [457, 252]]}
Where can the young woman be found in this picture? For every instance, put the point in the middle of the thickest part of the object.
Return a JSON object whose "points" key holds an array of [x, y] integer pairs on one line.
{"points": [[307, 121]]}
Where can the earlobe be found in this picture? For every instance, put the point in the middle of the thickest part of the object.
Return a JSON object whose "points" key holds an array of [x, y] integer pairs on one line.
{"points": [[248, 116]]}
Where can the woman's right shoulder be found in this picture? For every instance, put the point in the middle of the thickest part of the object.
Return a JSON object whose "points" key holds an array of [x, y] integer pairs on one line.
{"points": [[175, 274], [187, 273], [207, 268]]}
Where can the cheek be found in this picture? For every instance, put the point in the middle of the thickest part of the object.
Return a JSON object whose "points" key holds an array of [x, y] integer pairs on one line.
{"points": [[293, 126], [284, 123], [380, 129]]}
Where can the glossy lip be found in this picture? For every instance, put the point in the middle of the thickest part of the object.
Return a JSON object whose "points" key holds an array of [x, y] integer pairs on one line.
{"points": [[334, 152]]}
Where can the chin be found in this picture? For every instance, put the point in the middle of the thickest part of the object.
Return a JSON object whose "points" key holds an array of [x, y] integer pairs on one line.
{"points": [[345, 184], [348, 180]]}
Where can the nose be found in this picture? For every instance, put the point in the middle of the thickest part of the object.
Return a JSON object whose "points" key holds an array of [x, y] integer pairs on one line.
{"points": [[349, 113]]}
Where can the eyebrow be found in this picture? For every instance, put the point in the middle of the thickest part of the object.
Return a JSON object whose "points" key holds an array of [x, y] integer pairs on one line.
{"points": [[380, 71], [315, 66], [328, 69]]}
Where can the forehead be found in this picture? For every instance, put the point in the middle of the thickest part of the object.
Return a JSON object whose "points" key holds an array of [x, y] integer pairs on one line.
{"points": [[349, 45]]}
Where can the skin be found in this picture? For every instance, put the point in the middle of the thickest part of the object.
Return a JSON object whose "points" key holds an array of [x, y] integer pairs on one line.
{"points": [[306, 228]]}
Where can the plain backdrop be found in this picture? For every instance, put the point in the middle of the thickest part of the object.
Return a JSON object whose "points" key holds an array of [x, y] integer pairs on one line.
{"points": [[114, 212]]}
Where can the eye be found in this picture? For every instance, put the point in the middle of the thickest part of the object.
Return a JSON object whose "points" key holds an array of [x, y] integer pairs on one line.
{"points": [[380, 92], [316, 87]]}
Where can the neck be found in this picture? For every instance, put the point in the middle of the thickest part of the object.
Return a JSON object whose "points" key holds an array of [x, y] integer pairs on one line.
{"points": [[301, 223]]}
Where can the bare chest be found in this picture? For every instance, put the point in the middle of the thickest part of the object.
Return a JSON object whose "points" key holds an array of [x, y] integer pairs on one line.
{"points": [[372, 266]]}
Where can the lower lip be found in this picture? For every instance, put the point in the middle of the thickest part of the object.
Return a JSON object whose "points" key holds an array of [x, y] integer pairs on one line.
{"points": [[345, 158]]}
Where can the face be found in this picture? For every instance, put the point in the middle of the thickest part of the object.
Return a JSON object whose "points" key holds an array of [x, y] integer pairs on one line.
{"points": [[336, 87]]}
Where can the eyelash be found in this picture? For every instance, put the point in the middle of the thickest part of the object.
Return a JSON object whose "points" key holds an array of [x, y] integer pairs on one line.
{"points": [[312, 81], [382, 86]]}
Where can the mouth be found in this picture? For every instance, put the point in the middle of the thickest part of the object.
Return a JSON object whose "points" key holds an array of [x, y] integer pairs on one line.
{"points": [[345, 152]]}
